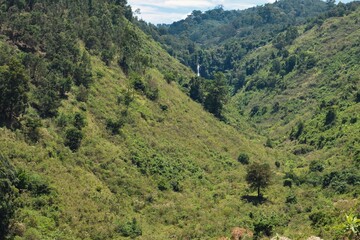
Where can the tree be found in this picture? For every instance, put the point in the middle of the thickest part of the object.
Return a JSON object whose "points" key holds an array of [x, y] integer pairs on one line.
{"points": [[83, 75], [47, 97], [13, 91], [196, 91], [330, 3], [216, 96], [73, 138], [258, 176], [8, 194]]}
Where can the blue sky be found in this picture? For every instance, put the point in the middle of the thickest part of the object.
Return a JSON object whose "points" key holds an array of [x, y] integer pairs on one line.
{"points": [[168, 11]]}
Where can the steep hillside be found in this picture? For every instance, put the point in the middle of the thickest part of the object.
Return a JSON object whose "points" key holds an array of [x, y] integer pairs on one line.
{"points": [[305, 97], [96, 144], [306, 92], [99, 141]]}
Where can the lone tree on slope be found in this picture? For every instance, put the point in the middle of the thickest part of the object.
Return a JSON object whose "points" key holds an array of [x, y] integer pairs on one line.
{"points": [[258, 176]]}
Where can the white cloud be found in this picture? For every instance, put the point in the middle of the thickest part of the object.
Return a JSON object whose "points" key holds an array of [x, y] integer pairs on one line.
{"points": [[168, 11], [161, 17]]}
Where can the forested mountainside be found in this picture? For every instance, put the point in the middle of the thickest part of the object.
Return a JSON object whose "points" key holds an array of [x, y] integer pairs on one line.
{"points": [[99, 139], [217, 39]]}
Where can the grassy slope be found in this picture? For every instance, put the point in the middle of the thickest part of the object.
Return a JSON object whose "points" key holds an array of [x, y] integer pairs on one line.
{"points": [[99, 188], [115, 178]]}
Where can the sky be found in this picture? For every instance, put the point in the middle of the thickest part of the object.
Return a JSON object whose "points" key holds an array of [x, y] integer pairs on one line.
{"points": [[169, 11]]}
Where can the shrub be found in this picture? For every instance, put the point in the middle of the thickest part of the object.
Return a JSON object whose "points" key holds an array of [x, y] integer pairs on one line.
{"points": [[287, 183], [243, 158], [263, 227], [82, 94], [114, 125], [130, 229], [176, 186], [277, 164], [73, 138], [293, 177], [330, 117], [163, 185], [33, 183], [316, 166], [275, 107], [296, 133], [164, 107], [126, 98], [254, 111], [32, 234], [62, 120], [319, 219], [31, 128], [152, 93], [341, 181], [170, 77], [291, 199], [138, 82], [79, 121], [357, 97], [268, 143]]}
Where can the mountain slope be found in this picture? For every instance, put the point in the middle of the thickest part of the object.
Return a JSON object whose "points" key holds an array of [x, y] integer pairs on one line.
{"points": [[217, 39], [322, 81], [101, 146], [102, 143]]}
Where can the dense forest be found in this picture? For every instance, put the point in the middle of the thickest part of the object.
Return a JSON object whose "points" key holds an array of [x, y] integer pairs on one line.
{"points": [[106, 132]]}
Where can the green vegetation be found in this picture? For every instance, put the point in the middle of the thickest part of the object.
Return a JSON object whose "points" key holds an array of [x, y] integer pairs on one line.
{"points": [[104, 135], [258, 176], [219, 39]]}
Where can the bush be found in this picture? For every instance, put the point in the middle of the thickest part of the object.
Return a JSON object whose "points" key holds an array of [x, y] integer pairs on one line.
{"points": [[31, 128], [287, 183], [32, 234], [130, 229], [243, 158], [268, 143], [316, 166], [152, 93], [138, 82], [114, 125], [319, 219], [340, 182], [357, 97], [163, 184], [330, 117], [291, 176], [263, 227], [79, 121], [254, 111], [296, 133], [82, 94], [291, 199], [170, 77], [164, 107], [33, 183], [73, 138]]}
